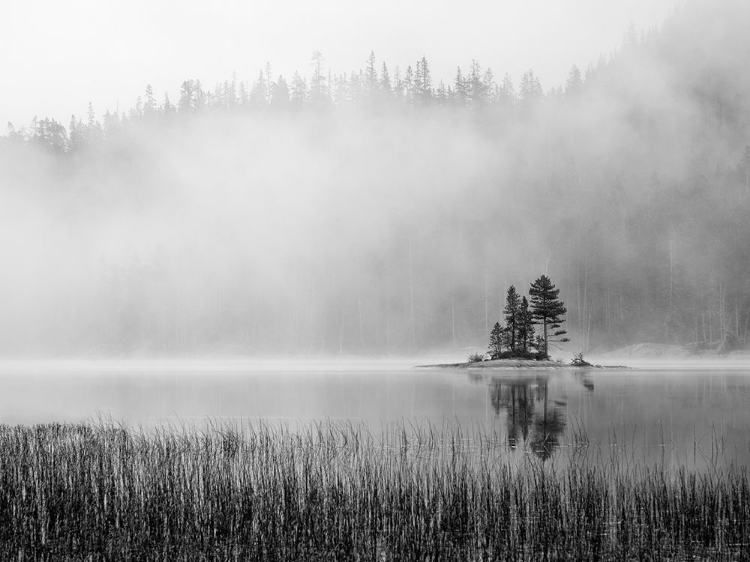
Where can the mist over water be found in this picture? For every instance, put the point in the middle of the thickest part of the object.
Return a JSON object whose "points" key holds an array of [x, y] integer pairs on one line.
{"points": [[669, 418]]}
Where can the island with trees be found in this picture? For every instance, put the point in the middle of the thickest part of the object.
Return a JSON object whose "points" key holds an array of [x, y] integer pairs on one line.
{"points": [[532, 326], [519, 338]]}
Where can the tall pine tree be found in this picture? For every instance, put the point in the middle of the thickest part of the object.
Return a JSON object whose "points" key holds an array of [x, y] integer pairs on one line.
{"points": [[548, 311], [511, 312], [525, 327], [496, 341]]}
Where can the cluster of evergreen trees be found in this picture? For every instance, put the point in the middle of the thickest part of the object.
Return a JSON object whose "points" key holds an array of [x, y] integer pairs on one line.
{"points": [[517, 338], [371, 87]]}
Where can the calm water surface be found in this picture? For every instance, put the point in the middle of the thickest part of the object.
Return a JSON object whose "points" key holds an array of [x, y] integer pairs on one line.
{"points": [[668, 417]]}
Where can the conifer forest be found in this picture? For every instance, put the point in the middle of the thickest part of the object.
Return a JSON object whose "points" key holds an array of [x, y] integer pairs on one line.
{"points": [[387, 210]]}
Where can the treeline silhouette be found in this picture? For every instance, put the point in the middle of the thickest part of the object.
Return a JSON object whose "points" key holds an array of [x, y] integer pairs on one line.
{"points": [[378, 211], [373, 87]]}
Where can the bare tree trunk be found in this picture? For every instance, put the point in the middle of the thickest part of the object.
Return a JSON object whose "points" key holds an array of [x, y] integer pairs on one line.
{"points": [[696, 329], [310, 315], [453, 314], [486, 304], [579, 314], [736, 319], [411, 296], [341, 332], [361, 327], [722, 316], [387, 317], [388, 293], [587, 307], [325, 329], [607, 309], [670, 302]]}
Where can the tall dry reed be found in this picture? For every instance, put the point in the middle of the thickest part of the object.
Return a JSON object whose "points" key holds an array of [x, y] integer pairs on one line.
{"points": [[335, 491]]}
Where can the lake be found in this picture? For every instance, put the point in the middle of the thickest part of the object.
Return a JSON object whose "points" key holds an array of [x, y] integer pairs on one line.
{"points": [[680, 415]]}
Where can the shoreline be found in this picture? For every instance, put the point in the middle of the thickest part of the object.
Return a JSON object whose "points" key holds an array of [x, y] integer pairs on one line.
{"points": [[499, 364]]}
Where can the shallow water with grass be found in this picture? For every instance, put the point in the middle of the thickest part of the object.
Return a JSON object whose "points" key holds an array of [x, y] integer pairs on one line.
{"points": [[695, 417], [191, 461]]}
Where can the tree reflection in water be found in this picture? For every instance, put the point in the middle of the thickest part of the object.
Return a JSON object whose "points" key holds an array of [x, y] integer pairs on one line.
{"points": [[549, 425], [531, 415], [517, 398]]}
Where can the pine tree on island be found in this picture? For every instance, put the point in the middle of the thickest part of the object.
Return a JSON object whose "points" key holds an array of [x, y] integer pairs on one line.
{"points": [[547, 310], [518, 337], [496, 341], [525, 327], [512, 304]]}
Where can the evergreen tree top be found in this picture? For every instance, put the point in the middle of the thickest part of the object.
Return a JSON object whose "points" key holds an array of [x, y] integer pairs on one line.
{"points": [[544, 300]]}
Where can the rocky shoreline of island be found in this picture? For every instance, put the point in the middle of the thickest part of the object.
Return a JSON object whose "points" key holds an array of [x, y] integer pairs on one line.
{"points": [[519, 364]]}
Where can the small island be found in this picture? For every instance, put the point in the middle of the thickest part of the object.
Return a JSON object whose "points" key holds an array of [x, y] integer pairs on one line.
{"points": [[538, 364], [532, 326]]}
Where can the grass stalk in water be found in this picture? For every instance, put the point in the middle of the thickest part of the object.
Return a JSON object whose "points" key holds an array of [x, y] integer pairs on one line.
{"points": [[331, 491]]}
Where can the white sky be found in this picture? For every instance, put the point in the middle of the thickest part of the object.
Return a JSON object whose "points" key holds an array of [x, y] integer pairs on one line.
{"points": [[57, 55]]}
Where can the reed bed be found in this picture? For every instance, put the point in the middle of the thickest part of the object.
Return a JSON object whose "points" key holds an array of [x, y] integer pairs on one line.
{"points": [[334, 491]]}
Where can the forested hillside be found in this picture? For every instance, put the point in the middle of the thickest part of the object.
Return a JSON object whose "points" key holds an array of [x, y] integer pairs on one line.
{"points": [[387, 211]]}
